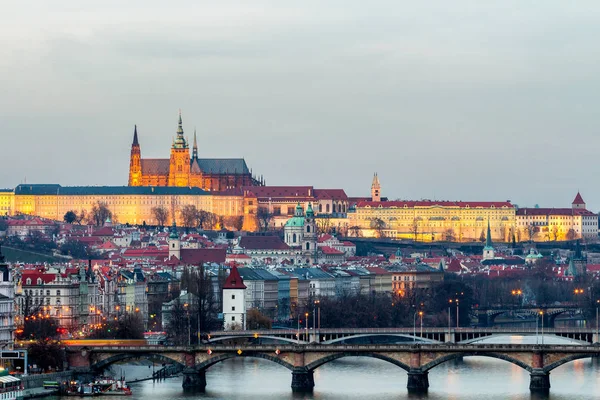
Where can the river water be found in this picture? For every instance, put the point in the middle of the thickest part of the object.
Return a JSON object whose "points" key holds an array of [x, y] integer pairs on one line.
{"points": [[472, 378]]}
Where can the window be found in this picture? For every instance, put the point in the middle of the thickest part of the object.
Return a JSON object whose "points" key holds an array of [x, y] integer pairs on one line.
{"points": [[28, 282], [232, 308], [233, 297], [47, 293], [307, 246], [294, 238], [233, 318], [308, 229], [58, 292]]}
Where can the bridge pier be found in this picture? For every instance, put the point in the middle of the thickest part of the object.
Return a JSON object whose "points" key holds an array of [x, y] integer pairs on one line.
{"points": [[418, 381], [539, 380], [302, 380], [194, 380]]}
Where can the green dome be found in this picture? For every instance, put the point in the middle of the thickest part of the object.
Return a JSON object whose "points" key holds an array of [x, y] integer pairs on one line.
{"points": [[295, 221]]}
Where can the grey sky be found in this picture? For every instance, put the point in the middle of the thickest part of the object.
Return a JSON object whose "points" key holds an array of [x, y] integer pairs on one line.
{"points": [[480, 100]]}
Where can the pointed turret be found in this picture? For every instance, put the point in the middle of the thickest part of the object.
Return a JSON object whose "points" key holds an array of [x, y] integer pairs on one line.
{"points": [[488, 250], [299, 212], [578, 202], [571, 270], [135, 161], [180, 142], [234, 280], [195, 148], [309, 211], [375, 188], [135, 137], [488, 236]]}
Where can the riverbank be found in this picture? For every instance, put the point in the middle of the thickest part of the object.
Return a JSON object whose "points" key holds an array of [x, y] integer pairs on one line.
{"points": [[36, 393]]}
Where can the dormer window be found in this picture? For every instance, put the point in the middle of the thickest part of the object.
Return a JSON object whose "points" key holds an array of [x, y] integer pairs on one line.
{"points": [[28, 281], [39, 281]]}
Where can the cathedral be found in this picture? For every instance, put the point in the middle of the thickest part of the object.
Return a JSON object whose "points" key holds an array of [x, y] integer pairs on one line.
{"points": [[211, 174]]}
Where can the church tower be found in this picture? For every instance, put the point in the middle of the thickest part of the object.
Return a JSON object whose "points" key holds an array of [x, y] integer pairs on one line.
{"points": [[488, 250], [179, 163], [309, 239], [375, 189], [174, 243], [234, 301], [135, 161]]}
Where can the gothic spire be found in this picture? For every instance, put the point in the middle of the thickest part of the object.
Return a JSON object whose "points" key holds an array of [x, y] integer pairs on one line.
{"points": [[135, 137], [180, 126], [488, 238], [195, 149]]}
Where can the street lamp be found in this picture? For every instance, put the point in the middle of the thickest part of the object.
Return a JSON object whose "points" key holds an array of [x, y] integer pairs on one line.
{"points": [[542, 314], [185, 305], [517, 293], [457, 315], [421, 315], [318, 303], [597, 332], [306, 317]]}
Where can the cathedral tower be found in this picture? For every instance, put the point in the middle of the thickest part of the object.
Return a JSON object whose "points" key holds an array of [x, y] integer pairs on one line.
{"points": [[375, 189], [179, 163], [135, 161]]}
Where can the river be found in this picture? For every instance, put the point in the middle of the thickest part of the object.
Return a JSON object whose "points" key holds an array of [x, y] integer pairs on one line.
{"points": [[472, 378]]}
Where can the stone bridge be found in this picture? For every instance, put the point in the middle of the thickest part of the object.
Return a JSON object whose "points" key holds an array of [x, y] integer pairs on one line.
{"points": [[302, 360], [487, 316], [368, 335]]}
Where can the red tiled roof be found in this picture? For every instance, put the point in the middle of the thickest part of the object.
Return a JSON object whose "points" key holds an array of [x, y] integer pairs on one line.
{"points": [[46, 278], [554, 211], [263, 243], [578, 199], [430, 203], [454, 266], [201, 256], [234, 280], [330, 250], [330, 194], [324, 238], [279, 191], [155, 166]]}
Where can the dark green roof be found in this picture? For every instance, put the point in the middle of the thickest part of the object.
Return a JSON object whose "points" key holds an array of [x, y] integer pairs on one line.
{"points": [[5, 190], [29, 189]]}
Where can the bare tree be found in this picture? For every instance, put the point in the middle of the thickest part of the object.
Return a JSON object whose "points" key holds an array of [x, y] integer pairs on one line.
{"points": [[264, 217], [189, 214], [323, 225], [555, 232], [211, 221], [379, 225], [571, 235], [531, 228], [355, 231], [449, 235], [161, 214], [81, 216], [99, 214], [415, 228]]}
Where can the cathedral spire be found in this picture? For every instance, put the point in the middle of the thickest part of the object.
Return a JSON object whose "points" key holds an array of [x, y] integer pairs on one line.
{"points": [[180, 142], [135, 137], [195, 149], [488, 238]]}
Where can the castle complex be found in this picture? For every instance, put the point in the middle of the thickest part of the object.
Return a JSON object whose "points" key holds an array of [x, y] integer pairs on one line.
{"points": [[211, 174]]}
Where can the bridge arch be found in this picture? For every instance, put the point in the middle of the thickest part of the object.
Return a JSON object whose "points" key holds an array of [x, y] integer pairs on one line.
{"points": [[407, 336], [454, 356], [103, 364], [277, 338], [546, 335], [565, 360], [317, 363], [222, 357]]}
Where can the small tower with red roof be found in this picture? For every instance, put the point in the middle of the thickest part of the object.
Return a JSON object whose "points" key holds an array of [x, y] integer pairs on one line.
{"points": [[234, 301], [578, 203]]}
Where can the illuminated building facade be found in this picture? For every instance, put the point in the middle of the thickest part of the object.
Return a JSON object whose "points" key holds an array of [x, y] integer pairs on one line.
{"points": [[542, 224], [211, 174], [426, 220], [128, 204]]}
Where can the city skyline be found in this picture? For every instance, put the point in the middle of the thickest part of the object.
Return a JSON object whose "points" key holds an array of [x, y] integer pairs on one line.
{"points": [[458, 102]]}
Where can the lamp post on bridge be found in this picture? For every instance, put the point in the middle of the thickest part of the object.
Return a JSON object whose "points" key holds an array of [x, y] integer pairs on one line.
{"points": [[597, 332], [306, 317], [421, 315]]}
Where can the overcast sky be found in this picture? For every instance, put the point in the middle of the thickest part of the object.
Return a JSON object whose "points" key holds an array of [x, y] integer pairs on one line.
{"points": [[459, 100]]}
